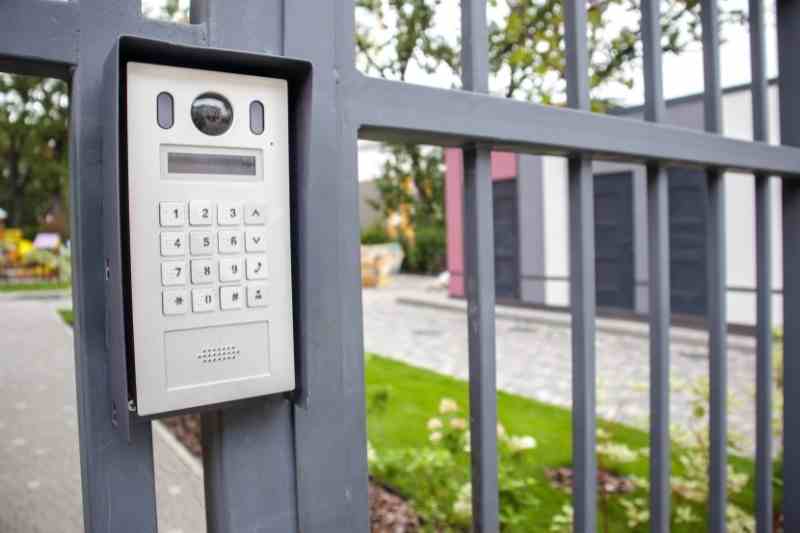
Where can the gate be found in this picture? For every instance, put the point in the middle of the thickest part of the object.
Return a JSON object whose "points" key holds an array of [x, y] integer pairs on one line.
{"points": [[277, 465]]}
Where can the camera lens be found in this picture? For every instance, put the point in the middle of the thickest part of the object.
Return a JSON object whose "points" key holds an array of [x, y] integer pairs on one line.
{"points": [[212, 113]]}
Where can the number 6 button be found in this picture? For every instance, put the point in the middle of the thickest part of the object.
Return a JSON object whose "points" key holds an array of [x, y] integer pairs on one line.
{"points": [[200, 213]]}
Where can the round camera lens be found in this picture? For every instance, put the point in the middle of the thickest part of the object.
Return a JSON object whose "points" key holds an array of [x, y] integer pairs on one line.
{"points": [[212, 113]]}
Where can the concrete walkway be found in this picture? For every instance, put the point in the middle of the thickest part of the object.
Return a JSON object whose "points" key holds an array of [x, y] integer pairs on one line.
{"points": [[40, 486], [415, 323]]}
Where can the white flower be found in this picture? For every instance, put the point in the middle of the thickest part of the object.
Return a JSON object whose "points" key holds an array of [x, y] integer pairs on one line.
{"points": [[434, 424], [517, 443], [463, 504], [447, 405], [458, 423], [501, 431], [372, 455], [435, 437]]}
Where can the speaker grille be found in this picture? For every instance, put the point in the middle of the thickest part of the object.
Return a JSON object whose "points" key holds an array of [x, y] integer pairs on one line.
{"points": [[218, 354]]}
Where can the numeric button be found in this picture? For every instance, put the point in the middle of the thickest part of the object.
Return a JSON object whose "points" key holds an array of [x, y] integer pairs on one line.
{"points": [[172, 214], [173, 243], [202, 271], [201, 243], [173, 273], [230, 269], [175, 302], [229, 214], [257, 267], [255, 213], [230, 241], [204, 300], [201, 213]]}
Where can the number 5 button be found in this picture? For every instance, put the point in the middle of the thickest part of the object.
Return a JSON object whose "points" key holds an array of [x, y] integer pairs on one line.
{"points": [[200, 213], [257, 267]]}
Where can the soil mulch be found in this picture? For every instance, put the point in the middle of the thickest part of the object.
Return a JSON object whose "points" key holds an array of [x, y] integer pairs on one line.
{"points": [[607, 482], [388, 511]]}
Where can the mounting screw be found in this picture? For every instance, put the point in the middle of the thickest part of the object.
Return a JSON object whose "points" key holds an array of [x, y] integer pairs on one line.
{"points": [[132, 406]]}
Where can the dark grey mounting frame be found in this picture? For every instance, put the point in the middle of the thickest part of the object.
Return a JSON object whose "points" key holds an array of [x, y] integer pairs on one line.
{"points": [[275, 465], [122, 374]]}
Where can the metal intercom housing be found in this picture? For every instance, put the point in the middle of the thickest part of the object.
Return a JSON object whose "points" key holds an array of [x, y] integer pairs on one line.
{"points": [[198, 159]]}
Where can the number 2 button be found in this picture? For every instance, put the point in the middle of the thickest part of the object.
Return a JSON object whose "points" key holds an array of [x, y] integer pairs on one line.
{"points": [[200, 213]]}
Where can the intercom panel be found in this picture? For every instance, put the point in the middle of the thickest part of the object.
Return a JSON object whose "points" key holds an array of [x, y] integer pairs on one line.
{"points": [[206, 165]]}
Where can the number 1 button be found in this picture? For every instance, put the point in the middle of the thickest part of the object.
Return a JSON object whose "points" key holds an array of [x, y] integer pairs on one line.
{"points": [[172, 214], [200, 213]]}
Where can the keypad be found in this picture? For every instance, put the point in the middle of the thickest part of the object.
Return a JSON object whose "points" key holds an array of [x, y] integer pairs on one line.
{"points": [[223, 266]]}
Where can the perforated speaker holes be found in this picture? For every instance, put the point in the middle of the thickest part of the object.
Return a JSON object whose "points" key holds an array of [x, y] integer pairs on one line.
{"points": [[218, 354]]}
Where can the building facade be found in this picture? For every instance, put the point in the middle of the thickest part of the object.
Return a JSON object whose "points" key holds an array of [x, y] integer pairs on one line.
{"points": [[531, 225]]}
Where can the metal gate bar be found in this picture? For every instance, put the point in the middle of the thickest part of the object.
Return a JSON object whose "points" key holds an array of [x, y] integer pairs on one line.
{"points": [[659, 282], [758, 91], [582, 280], [479, 282]]}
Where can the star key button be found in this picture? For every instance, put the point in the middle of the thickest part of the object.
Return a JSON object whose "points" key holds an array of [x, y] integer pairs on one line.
{"points": [[255, 213], [175, 302]]}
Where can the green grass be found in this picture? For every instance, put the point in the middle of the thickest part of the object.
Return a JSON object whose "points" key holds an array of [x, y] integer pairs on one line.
{"points": [[413, 397], [34, 286], [67, 315]]}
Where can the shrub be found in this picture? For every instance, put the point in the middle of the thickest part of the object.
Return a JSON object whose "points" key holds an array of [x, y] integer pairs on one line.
{"points": [[375, 234], [427, 254]]}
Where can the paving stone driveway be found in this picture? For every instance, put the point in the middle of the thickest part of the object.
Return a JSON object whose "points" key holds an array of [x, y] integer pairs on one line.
{"points": [[533, 358]]}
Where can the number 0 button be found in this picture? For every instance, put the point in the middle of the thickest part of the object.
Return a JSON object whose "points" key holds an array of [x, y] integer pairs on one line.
{"points": [[201, 213]]}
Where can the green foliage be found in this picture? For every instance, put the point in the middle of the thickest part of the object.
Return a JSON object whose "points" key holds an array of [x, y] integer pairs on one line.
{"points": [[427, 255], [440, 473], [33, 147], [375, 234]]}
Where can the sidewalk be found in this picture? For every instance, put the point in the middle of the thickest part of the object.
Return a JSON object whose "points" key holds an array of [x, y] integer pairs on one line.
{"points": [[40, 486]]}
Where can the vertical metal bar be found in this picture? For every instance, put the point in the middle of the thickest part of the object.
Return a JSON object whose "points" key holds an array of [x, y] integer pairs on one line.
{"points": [[716, 277], [763, 485], [479, 275], [248, 449], [117, 475], [788, 18], [582, 282], [329, 418], [658, 273]]}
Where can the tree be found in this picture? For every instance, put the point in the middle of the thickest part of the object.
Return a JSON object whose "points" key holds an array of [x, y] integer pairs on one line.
{"points": [[34, 147], [527, 60]]}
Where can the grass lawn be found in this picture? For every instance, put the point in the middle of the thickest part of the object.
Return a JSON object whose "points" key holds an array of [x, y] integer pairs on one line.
{"points": [[34, 286], [67, 315], [411, 397]]}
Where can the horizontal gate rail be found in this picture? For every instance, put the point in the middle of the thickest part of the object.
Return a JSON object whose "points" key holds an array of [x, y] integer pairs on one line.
{"points": [[396, 111]]}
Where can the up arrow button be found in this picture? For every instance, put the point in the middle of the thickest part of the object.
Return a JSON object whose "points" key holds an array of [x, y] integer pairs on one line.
{"points": [[255, 213]]}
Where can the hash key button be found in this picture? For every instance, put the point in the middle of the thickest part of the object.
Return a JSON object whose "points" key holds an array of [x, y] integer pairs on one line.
{"points": [[255, 213], [255, 240], [230, 297]]}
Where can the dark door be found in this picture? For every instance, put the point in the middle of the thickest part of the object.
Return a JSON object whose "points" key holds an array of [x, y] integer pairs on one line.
{"points": [[687, 240], [506, 240], [613, 216]]}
